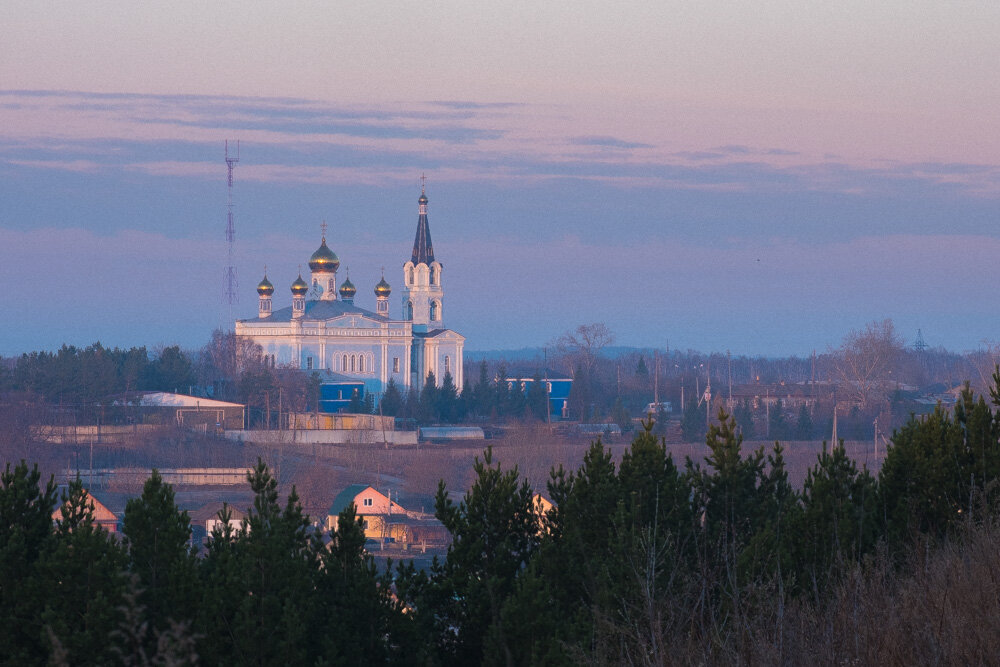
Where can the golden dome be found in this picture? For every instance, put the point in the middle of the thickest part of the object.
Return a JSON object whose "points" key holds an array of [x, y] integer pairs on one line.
{"points": [[300, 287], [265, 288], [324, 260], [382, 288], [347, 289]]}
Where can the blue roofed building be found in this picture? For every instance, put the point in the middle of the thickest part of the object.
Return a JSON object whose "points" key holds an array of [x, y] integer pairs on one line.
{"points": [[557, 387], [336, 392]]}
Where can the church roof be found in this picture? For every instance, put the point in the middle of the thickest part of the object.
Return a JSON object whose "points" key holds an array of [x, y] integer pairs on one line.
{"points": [[423, 249], [318, 310], [434, 333]]}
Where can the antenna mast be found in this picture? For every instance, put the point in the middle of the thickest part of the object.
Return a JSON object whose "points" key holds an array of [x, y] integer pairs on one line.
{"points": [[231, 286]]}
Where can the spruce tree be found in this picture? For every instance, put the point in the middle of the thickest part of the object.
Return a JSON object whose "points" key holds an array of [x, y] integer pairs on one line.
{"points": [[446, 402], [392, 401]]}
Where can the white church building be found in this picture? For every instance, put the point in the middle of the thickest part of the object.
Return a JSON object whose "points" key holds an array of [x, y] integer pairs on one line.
{"points": [[324, 331]]}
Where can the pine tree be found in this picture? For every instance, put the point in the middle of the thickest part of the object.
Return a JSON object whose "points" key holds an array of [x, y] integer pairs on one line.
{"points": [[25, 536], [620, 416], [494, 533], [837, 523], [777, 424], [693, 422], [271, 564], [354, 599], [536, 399], [85, 583], [157, 535], [804, 424]]}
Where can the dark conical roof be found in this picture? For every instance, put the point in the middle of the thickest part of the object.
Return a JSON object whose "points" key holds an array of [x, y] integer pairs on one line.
{"points": [[423, 249]]}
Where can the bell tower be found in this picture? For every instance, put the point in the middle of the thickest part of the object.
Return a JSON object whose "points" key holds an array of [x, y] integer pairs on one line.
{"points": [[422, 292]]}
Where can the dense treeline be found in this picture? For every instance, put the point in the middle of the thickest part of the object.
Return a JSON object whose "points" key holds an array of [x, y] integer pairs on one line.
{"points": [[92, 374], [868, 370], [646, 560], [489, 399]]}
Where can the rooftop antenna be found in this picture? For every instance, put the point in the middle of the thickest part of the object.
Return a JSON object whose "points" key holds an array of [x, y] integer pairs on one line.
{"points": [[231, 285], [920, 344]]}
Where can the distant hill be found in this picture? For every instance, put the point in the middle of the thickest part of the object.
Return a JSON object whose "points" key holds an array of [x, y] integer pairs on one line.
{"points": [[539, 353]]}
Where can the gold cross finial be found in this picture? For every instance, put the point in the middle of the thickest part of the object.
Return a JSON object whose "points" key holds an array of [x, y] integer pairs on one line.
{"points": [[423, 182], [323, 228]]}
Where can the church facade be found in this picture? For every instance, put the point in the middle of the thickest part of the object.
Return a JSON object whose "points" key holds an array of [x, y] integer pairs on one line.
{"points": [[323, 330]]}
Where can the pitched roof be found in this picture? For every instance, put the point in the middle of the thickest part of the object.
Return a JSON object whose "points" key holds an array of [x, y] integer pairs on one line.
{"points": [[346, 497], [211, 511], [434, 333]]}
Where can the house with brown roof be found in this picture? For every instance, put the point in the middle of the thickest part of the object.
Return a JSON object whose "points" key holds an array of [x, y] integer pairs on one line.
{"points": [[103, 517]]}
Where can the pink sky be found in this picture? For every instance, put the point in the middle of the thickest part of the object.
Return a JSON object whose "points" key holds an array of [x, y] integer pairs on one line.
{"points": [[761, 176]]}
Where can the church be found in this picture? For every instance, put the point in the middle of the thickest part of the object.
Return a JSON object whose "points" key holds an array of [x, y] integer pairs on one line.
{"points": [[323, 330]]}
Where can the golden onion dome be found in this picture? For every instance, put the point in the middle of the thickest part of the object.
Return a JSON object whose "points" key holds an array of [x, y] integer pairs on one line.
{"points": [[264, 287], [324, 260], [300, 287], [382, 288], [347, 289]]}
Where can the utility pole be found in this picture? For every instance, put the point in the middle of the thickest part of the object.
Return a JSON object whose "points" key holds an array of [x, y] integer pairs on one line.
{"points": [[729, 359], [231, 287], [656, 378]]}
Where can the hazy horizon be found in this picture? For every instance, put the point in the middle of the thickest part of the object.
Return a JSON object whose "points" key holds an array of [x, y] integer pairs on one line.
{"points": [[761, 178]]}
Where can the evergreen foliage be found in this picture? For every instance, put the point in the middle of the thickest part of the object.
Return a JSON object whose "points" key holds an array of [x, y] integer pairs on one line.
{"points": [[716, 560], [391, 404]]}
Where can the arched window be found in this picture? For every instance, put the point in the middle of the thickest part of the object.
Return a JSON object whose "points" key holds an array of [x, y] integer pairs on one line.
{"points": [[435, 311], [409, 310], [447, 364], [434, 275], [361, 364], [409, 275], [343, 366], [352, 362]]}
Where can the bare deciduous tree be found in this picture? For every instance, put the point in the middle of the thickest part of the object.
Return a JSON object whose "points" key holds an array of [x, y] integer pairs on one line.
{"points": [[865, 361], [582, 345]]}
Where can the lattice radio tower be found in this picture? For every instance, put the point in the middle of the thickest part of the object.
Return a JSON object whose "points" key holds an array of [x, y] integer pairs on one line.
{"points": [[231, 283]]}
